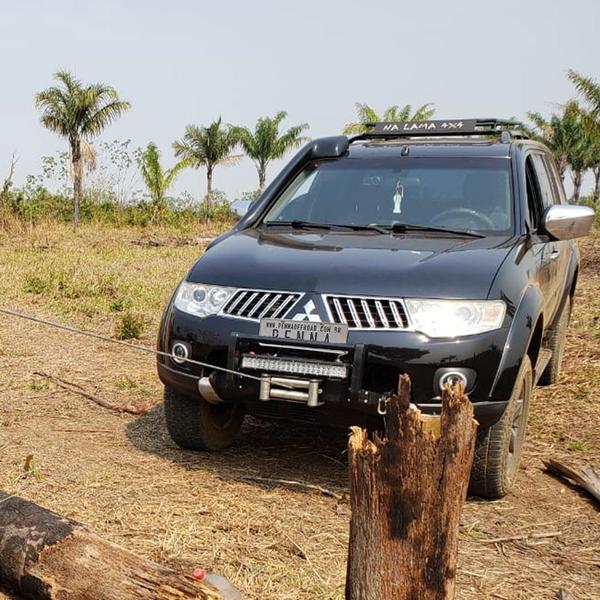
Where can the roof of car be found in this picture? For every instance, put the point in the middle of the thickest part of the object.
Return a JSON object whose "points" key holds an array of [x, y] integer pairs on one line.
{"points": [[431, 147], [440, 138]]}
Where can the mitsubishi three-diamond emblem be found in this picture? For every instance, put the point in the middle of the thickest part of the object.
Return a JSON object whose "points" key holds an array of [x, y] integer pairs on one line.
{"points": [[309, 314]]}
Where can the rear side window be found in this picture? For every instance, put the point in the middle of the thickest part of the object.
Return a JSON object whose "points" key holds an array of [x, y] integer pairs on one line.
{"points": [[547, 190], [559, 190]]}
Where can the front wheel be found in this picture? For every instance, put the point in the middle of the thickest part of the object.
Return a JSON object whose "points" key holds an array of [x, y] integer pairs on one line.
{"points": [[498, 448], [195, 424]]}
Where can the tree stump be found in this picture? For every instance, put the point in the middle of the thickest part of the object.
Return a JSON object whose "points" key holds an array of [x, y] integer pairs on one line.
{"points": [[47, 557], [406, 492]]}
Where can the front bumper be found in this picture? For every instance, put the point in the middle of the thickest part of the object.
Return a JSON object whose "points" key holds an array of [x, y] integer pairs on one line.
{"points": [[375, 359]]}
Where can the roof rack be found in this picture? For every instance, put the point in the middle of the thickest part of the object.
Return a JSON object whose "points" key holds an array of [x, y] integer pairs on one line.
{"points": [[444, 128]]}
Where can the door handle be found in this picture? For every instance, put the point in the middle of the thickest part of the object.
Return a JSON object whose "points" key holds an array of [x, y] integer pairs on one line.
{"points": [[554, 254]]}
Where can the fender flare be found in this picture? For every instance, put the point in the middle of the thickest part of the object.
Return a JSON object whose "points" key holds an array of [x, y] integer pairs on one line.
{"points": [[517, 343], [570, 280]]}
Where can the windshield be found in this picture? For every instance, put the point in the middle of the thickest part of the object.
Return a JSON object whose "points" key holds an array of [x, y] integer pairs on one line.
{"points": [[470, 194]]}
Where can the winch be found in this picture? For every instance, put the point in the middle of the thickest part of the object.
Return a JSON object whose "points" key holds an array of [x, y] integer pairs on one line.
{"points": [[285, 388]]}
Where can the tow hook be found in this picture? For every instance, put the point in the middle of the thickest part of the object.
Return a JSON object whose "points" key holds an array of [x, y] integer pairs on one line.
{"points": [[382, 405]]}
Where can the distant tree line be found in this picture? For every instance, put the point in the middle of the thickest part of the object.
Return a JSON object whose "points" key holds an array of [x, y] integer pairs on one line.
{"points": [[79, 113]]}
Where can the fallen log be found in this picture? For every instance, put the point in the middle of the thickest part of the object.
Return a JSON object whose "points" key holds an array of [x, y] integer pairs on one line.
{"points": [[47, 557], [584, 476], [407, 490]]}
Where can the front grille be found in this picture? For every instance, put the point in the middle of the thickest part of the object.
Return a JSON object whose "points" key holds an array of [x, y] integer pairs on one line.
{"points": [[367, 312], [259, 304]]}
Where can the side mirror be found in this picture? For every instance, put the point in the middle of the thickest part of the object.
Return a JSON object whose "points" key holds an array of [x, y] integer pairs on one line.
{"points": [[568, 221]]}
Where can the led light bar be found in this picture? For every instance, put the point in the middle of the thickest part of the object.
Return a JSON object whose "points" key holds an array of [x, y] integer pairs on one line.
{"points": [[295, 367]]}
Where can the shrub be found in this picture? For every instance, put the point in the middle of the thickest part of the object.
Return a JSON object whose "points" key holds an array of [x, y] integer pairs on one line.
{"points": [[220, 210], [34, 285], [117, 305], [130, 326], [252, 195], [592, 202]]}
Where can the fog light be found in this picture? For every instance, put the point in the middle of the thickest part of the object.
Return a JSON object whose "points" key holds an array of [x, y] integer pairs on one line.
{"points": [[179, 352], [451, 378]]}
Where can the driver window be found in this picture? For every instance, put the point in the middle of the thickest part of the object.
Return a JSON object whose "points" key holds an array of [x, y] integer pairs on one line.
{"points": [[533, 196], [545, 187]]}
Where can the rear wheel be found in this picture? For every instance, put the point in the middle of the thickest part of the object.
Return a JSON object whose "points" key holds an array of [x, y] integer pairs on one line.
{"points": [[556, 342], [195, 424], [498, 448]]}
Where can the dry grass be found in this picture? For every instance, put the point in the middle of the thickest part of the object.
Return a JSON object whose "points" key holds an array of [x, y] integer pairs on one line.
{"points": [[124, 477]]}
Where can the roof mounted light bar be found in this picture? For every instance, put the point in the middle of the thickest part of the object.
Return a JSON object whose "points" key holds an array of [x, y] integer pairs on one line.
{"points": [[441, 128]]}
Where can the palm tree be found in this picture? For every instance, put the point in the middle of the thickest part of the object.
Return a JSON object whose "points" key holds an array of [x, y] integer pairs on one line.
{"points": [[157, 180], [595, 164], [78, 113], [366, 114], [571, 139], [590, 90], [207, 147], [266, 143], [560, 133]]}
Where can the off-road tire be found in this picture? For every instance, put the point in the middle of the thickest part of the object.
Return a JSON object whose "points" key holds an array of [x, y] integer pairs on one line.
{"points": [[498, 448], [195, 424], [556, 342]]}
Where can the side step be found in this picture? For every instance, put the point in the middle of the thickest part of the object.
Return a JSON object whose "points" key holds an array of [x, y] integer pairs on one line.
{"points": [[542, 362]]}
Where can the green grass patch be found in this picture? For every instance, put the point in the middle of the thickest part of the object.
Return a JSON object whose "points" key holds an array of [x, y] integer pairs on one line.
{"points": [[125, 383], [578, 445]]}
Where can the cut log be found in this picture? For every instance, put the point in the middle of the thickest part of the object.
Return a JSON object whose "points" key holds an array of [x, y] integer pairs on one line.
{"points": [[407, 490], [584, 476], [47, 557]]}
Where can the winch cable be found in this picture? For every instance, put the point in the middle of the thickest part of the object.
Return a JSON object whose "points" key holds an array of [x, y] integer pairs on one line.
{"points": [[105, 338]]}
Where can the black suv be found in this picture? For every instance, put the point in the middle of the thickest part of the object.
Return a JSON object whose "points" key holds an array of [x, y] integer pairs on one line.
{"points": [[441, 249]]}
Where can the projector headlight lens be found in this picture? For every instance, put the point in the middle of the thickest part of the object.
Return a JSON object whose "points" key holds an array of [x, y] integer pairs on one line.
{"points": [[200, 299], [455, 318]]}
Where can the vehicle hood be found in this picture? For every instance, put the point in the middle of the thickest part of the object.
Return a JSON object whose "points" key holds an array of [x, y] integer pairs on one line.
{"points": [[407, 265]]}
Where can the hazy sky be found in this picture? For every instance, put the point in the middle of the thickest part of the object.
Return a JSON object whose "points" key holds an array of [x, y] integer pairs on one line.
{"points": [[186, 61]]}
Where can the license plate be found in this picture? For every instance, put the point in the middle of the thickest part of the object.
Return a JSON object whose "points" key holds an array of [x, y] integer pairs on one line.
{"points": [[304, 331]]}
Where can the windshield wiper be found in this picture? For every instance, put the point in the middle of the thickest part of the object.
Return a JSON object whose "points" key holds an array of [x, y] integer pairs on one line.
{"points": [[394, 228], [352, 227], [403, 227], [299, 224]]}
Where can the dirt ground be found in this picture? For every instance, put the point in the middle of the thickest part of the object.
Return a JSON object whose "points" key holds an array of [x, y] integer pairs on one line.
{"points": [[126, 479]]}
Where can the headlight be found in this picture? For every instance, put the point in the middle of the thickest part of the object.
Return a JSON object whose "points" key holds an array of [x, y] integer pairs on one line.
{"points": [[454, 318], [202, 300]]}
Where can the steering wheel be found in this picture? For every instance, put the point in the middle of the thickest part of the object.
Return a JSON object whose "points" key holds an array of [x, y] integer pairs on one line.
{"points": [[464, 212]]}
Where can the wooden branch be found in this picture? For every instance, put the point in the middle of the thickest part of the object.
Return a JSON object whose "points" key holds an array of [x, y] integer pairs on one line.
{"points": [[584, 476], [291, 482], [77, 389], [406, 493], [45, 557], [525, 536], [7, 184]]}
